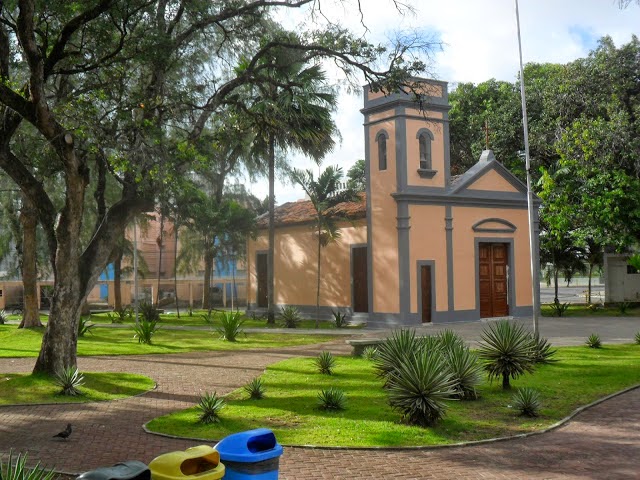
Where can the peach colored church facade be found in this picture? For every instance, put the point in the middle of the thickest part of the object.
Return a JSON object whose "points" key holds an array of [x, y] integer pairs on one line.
{"points": [[429, 248]]}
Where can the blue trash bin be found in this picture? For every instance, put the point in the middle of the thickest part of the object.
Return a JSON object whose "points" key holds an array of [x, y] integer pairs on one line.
{"points": [[251, 455]]}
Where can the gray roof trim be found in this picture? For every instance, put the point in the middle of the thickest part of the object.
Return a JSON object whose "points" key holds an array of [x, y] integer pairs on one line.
{"points": [[495, 200], [487, 163]]}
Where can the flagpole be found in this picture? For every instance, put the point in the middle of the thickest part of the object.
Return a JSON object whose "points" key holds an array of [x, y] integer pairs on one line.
{"points": [[532, 242]]}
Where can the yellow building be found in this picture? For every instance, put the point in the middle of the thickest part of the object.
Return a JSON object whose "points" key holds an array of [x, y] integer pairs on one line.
{"points": [[424, 246]]}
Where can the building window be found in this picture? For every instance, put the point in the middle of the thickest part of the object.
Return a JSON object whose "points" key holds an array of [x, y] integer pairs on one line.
{"points": [[381, 138], [425, 151], [631, 270]]}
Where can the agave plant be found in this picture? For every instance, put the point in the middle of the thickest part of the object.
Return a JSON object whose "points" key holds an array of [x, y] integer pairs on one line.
{"points": [[69, 380], [527, 402], [231, 326], [145, 330], [290, 317], [637, 338], [339, 319], [419, 386], [541, 351], [3, 317], [506, 350], [370, 353], [449, 340], [210, 405], [84, 326], [465, 370], [208, 317], [16, 469], [325, 363], [148, 312], [395, 350], [255, 388], [594, 341], [332, 399]]}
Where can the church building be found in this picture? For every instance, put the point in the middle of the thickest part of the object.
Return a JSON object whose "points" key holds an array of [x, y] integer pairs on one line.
{"points": [[422, 246]]}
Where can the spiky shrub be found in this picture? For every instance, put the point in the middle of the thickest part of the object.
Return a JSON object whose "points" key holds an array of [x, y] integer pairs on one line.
{"points": [[623, 307], [69, 380], [84, 326], [340, 319], [255, 388], [465, 369], [325, 363], [637, 338], [148, 312], [15, 468], [3, 317], [541, 350], [370, 353], [395, 350], [210, 405], [527, 402], [290, 317], [506, 351], [594, 341], [231, 326], [332, 399], [419, 387], [558, 309], [190, 311], [208, 317], [449, 339], [145, 330]]}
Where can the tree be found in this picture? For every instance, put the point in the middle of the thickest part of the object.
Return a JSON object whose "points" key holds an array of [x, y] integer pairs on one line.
{"points": [[89, 80], [357, 177], [325, 195]]}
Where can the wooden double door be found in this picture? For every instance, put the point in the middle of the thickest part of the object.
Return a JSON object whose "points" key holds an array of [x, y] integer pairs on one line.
{"points": [[493, 271]]}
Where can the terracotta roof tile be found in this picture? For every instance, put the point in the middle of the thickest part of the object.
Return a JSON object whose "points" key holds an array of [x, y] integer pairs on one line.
{"points": [[302, 211]]}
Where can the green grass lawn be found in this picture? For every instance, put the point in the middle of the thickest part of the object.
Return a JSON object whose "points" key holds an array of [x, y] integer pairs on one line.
{"points": [[24, 388], [581, 376], [197, 320], [584, 311], [16, 342]]}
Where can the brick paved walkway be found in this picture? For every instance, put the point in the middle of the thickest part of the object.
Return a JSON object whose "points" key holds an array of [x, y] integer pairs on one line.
{"points": [[601, 443]]}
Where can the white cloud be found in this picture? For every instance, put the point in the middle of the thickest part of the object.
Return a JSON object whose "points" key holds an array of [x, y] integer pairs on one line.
{"points": [[480, 42]]}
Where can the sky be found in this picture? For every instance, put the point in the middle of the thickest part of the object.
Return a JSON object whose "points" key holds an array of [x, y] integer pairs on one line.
{"points": [[479, 42]]}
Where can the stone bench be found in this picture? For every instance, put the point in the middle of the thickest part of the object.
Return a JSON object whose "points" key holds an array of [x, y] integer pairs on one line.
{"points": [[361, 343]]}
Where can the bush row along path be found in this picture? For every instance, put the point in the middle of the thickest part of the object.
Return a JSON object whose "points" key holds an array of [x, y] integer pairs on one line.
{"points": [[603, 442]]}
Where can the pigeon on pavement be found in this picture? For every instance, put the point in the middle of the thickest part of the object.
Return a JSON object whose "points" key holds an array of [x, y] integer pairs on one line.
{"points": [[65, 433]]}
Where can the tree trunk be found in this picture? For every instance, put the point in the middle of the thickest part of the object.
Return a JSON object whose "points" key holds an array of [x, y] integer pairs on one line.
{"points": [[505, 382], [175, 267], [29, 222], [589, 284], [318, 279], [271, 319], [160, 241], [117, 277], [208, 265]]}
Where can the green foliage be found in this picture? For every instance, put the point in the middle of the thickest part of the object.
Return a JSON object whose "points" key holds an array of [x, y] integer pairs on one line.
{"points": [[593, 341], [357, 178], [145, 330], [231, 325], [84, 326], [290, 317], [210, 405], [69, 380], [623, 307], [419, 386], [394, 350], [465, 369], [527, 402], [148, 312], [541, 350], [255, 388], [332, 399], [340, 320], [558, 309], [209, 317], [448, 340], [3, 317], [506, 350], [190, 311], [15, 468], [634, 261], [370, 353], [123, 314], [325, 363]]}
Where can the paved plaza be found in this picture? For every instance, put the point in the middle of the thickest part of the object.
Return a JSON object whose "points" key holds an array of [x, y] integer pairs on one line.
{"points": [[601, 443]]}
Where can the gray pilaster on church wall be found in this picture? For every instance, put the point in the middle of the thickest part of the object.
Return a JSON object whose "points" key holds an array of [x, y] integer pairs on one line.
{"points": [[404, 267], [367, 169], [448, 220]]}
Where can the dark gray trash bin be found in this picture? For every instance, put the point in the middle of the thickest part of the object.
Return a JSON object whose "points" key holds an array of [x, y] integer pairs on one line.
{"points": [[251, 455], [130, 470]]}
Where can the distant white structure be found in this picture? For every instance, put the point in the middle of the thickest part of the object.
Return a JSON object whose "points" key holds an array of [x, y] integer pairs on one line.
{"points": [[621, 280]]}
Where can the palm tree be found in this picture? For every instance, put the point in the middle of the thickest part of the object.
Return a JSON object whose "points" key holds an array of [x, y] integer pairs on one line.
{"points": [[325, 194], [289, 108]]}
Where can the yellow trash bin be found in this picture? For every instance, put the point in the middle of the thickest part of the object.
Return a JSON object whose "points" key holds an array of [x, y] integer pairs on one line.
{"points": [[201, 463]]}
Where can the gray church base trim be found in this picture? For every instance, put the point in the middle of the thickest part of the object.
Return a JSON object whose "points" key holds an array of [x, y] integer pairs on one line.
{"points": [[308, 312]]}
